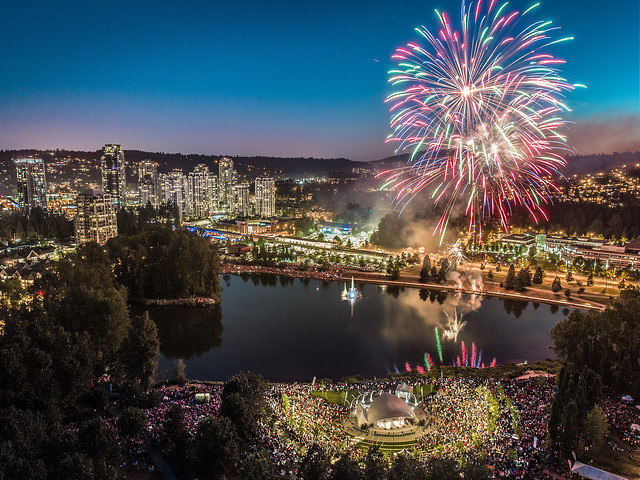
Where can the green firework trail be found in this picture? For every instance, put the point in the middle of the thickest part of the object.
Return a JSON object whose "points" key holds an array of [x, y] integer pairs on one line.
{"points": [[438, 344], [426, 363]]}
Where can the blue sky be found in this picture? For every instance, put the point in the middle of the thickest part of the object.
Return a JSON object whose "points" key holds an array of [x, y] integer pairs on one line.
{"points": [[289, 78]]}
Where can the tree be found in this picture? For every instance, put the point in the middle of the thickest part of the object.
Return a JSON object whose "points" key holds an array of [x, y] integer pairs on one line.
{"points": [[43, 367], [570, 428], [100, 443], [426, 268], [176, 431], [442, 469], [556, 286], [590, 281], [80, 295], [159, 262], [132, 422], [510, 280], [569, 276], [178, 372], [243, 402], [537, 276], [257, 466], [477, 469], [346, 468], [596, 426], [523, 280], [567, 292], [315, 464], [407, 467], [216, 445], [375, 465], [141, 350]]}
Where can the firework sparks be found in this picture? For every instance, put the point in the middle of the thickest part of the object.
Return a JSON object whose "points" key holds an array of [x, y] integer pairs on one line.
{"points": [[479, 110]]}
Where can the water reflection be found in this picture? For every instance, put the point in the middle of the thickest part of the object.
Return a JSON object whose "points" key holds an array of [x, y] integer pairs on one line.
{"points": [[295, 329], [186, 332]]}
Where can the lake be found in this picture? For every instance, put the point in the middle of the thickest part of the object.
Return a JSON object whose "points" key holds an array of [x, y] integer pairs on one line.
{"points": [[292, 330]]}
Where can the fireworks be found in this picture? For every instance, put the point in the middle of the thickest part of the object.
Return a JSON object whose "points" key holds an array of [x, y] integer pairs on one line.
{"points": [[456, 252], [438, 345], [480, 112]]}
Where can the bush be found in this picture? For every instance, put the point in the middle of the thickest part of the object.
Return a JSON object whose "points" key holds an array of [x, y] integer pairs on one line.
{"points": [[580, 290]]}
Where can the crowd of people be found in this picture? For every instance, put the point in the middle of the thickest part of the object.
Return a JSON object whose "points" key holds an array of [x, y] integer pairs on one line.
{"points": [[504, 421], [291, 270], [621, 417], [194, 411]]}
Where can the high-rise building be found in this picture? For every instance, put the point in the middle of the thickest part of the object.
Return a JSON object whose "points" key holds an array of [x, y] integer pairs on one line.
{"points": [[114, 178], [215, 191], [227, 179], [199, 192], [265, 197], [240, 200], [96, 217], [32, 184], [148, 183], [174, 187]]}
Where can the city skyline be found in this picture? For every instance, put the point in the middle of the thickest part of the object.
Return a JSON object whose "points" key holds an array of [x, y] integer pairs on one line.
{"points": [[285, 80]]}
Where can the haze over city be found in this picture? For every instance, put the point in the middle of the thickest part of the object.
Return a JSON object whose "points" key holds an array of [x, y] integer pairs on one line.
{"points": [[285, 78]]}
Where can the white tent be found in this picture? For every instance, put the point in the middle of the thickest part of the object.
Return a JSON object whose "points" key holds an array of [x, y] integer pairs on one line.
{"points": [[587, 471]]}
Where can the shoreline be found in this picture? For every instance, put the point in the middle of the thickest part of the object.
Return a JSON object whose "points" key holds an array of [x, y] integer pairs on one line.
{"points": [[485, 292], [376, 278], [185, 302]]}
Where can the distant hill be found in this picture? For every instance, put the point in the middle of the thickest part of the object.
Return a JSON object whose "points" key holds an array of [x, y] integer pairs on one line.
{"points": [[295, 167], [599, 163]]}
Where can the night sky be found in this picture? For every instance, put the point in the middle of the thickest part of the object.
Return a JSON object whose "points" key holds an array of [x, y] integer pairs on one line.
{"points": [[281, 78]]}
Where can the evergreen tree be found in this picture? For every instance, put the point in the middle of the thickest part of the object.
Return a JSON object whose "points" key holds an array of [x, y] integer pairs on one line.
{"points": [[426, 268], [570, 428], [141, 349], [510, 281], [216, 447], [537, 276], [556, 286]]}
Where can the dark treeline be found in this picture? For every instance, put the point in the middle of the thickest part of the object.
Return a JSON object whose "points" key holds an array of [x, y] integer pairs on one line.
{"points": [[71, 328], [607, 342], [160, 262], [153, 258], [597, 349], [585, 219], [617, 223], [34, 227]]}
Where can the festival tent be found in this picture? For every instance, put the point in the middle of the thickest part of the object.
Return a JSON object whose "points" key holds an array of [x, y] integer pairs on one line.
{"points": [[404, 391], [593, 473], [388, 406], [627, 398], [203, 397]]}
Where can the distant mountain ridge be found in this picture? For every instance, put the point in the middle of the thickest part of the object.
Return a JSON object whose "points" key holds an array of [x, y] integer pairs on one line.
{"points": [[299, 166]]}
